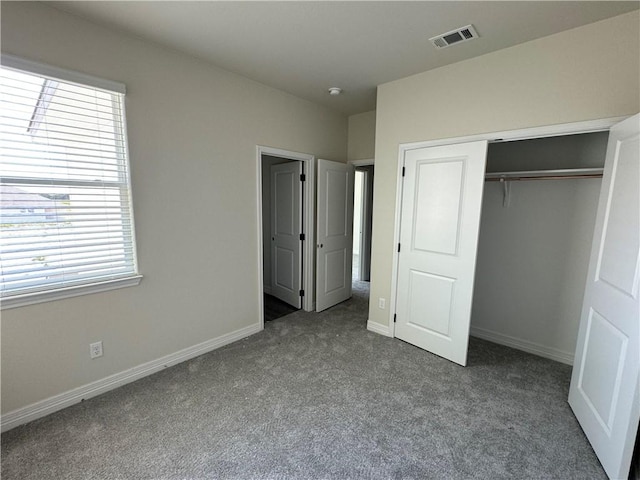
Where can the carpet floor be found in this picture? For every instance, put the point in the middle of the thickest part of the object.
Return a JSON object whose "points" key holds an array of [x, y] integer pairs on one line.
{"points": [[317, 396]]}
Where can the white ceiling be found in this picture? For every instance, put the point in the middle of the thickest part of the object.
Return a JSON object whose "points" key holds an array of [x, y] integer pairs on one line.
{"points": [[306, 47]]}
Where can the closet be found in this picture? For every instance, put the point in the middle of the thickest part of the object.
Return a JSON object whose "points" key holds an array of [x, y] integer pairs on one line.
{"points": [[538, 214], [547, 232]]}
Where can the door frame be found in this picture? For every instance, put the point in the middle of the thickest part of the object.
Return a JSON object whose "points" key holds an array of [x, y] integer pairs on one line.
{"points": [[361, 163], [590, 126], [308, 219], [366, 208]]}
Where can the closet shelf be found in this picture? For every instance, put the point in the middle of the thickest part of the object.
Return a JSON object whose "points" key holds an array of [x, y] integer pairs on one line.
{"points": [[561, 174]]}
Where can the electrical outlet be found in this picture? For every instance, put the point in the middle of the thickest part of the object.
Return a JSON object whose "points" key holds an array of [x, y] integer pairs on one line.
{"points": [[382, 302], [95, 349]]}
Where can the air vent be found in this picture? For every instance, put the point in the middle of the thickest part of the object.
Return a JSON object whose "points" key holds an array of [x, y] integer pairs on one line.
{"points": [[460, 35]]}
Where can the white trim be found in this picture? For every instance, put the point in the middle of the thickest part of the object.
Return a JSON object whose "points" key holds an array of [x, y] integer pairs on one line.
{"points": [[588, 126], [361, 163], [127, 160], [524, 345], [58, 402], [33, 298], [46, 70], [308, 221], [379, 329], [396, 240], [260, 237]]}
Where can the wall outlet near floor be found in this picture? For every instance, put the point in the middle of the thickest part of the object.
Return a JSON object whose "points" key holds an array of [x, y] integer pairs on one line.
{"points": [[95, 349], [382, 302]]}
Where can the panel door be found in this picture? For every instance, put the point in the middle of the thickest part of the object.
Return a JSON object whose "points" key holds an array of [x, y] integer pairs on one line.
{"points": [[604, 383], [286, 227], [334, 249], [441, 202]]}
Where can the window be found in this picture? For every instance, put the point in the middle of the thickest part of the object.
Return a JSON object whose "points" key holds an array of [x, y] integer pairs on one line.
{"points": [[65, 204]]}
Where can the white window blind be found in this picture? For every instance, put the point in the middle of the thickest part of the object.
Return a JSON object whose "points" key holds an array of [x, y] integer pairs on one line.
{"points": [[65, 203]]}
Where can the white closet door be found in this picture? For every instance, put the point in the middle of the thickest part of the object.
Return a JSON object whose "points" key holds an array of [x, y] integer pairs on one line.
{"points": [[604, 384], [334, 253], [286, 227], [441, 202]]}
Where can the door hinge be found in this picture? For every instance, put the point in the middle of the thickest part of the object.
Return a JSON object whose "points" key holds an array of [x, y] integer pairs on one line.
{"points": [[302, 293], [303, 177], [394, 318], [302, 236], [398, 247], [403, 171]]}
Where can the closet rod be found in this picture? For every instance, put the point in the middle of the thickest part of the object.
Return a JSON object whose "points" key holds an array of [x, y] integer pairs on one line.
{"points": [[563, 174], [557, 177]]}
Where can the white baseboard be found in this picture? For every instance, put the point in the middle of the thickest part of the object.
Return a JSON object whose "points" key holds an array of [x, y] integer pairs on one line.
{"points": [[379, 329], [524, 345], [58, 402]]}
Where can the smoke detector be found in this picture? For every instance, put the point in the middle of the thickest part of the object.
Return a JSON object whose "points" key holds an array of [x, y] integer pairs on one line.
{"points": [[459, 35]]}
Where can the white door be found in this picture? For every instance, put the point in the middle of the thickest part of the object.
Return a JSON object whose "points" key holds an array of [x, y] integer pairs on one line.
{"points": [[604, 384], [286, 227], [440, 219], [334, 249]]}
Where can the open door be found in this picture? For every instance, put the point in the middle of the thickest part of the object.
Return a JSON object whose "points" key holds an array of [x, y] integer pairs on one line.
{"points": [[604, 384], [334, 235], [440, 220], [286, 228]]}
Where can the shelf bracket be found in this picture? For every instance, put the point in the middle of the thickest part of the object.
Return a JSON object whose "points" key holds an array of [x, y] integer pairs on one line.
{"points": [[506, 192]]}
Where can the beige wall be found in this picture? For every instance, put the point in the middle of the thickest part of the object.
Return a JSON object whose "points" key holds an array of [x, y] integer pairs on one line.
{"points": [[362, 136], [568, 77], [193, 131]]}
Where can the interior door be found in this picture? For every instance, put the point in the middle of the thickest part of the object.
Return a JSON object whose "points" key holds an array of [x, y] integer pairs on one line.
{"points": [[334, 249], [440, 219], [286, 227], [604, 384]]}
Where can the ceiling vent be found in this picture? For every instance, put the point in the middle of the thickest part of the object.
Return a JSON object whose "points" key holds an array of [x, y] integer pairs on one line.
{"points": [[460, 35]]}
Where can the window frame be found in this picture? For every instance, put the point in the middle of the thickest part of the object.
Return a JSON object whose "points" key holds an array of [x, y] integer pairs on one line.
{"points": [[57, 292]]}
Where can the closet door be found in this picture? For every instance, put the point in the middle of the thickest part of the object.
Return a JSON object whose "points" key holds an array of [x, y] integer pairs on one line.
{"points": [[440, 219], [604, 384]]}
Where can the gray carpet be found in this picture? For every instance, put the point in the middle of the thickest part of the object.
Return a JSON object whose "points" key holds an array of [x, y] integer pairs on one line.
{"points": [[316, 396]]}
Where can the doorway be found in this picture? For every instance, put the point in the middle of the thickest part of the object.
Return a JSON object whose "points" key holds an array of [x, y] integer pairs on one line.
{"points": [[288, 248], [357, 222], [413, 153], [362, 220], [538, 215], [282, 225]]}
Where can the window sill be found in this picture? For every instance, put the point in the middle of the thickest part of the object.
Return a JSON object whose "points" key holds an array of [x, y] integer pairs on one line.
{"points": [[68, 292]]}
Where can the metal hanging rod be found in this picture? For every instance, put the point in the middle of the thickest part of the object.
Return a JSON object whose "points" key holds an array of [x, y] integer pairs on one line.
{"points": [[561, 174]]}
